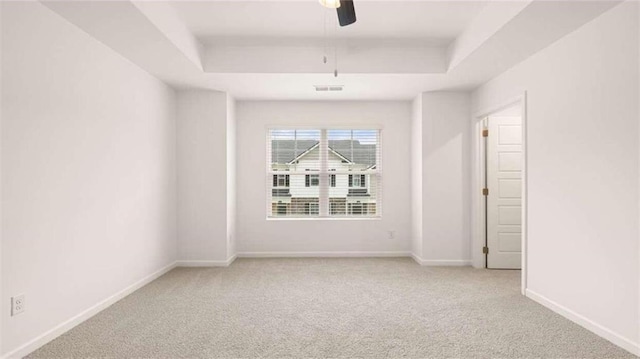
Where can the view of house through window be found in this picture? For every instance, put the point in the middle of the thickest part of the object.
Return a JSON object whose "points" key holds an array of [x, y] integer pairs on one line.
{"points": [[324, 173]]}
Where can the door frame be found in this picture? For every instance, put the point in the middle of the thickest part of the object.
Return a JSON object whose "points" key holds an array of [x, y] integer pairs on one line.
{"points": [[477, 183]]}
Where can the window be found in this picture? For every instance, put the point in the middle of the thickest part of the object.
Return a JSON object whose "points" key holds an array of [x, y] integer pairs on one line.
{"points": [[345, 178], [337, 208], [312, 180], [357, 180], [280, 180], [312, 208], [281, 209], [356, 209]]}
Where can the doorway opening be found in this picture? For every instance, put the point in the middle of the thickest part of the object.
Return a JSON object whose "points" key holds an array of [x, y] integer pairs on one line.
{"points": [[500, 185]]}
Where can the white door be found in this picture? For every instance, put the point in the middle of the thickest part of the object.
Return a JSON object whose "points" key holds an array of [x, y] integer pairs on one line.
{"points": [[504, 200]]}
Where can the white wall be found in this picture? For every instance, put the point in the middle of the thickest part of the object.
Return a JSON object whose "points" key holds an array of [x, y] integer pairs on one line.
{"points": [[446, 224], [88, 177], [1, 291], [203, 165], [257, 234], [583, 143], [416, 177]]}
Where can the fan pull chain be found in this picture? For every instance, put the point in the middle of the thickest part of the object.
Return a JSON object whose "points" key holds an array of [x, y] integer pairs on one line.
{"points": [[324, 37]]}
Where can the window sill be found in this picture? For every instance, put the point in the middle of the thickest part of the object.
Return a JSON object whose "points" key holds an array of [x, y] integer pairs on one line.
{"points": [[324, 218]]}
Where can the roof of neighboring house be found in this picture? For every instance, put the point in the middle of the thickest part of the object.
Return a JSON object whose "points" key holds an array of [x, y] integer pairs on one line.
{"points": [[286, 151]]}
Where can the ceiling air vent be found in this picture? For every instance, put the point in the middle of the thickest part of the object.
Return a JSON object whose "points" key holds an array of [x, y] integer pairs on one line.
{"points": [[328, 88]]}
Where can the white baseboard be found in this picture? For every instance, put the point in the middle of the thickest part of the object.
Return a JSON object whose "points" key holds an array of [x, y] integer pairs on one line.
{"points": [[446, 262], [207, 263], [69, 324], [588, 324], [321, 254], [416, 258], [441, 262]]}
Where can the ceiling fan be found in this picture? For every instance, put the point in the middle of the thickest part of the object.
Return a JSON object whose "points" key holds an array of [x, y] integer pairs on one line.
{"points": [[345, 9]]}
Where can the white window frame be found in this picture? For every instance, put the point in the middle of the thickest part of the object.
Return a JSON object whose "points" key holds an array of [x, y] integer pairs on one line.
{"points": [[325, 182]]}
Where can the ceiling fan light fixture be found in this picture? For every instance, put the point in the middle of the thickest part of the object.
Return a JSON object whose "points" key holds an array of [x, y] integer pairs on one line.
{"points": [[331, 4]]}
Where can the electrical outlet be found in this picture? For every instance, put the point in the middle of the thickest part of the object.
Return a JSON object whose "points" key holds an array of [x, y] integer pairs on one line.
{"points": [[17, 304], [392, 234]]}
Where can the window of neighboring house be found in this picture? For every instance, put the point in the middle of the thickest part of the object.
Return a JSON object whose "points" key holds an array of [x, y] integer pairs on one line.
{"points": [[337, 208], [357, 180], [312, 180], [281, 209], [346, 174], [357, 209], [280, 180], [312, 208]]}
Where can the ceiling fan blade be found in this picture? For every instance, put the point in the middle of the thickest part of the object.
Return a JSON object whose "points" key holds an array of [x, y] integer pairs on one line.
{"points": [[346, 13]]}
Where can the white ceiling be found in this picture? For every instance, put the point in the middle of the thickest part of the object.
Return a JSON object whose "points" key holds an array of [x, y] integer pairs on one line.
{"points": [[436, 21], [265, 49]]}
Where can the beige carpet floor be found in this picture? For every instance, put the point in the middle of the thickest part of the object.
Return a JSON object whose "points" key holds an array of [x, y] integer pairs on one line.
{"points": [[330, 308]]}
